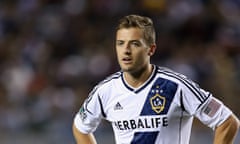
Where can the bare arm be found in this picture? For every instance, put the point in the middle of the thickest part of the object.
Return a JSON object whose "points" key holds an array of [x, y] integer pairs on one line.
{"points": [[82, 138], [226, 132]]}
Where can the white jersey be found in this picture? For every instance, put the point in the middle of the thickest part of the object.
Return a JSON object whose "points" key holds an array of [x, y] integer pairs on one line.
{"points": [[160, 111]]}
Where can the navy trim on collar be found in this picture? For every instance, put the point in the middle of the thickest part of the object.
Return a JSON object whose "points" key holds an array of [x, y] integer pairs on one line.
{"points": [[137, 90]]}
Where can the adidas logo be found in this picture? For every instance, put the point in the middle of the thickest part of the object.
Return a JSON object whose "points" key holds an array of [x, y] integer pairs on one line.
{"points": [[118, 106]]}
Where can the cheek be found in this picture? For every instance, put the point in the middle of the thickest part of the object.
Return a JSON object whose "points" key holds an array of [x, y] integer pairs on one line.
{"points": [[118, 54], [141, 57], [117, 51], [143, 54]]}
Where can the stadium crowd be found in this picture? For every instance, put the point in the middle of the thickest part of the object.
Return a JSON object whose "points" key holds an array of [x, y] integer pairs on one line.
{"points": [[53, 51]]}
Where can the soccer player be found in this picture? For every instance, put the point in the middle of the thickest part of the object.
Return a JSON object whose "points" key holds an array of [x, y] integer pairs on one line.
{"points": [[149, 104]]}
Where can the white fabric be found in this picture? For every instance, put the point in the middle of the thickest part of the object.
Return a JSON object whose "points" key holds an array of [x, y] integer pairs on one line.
{"points": [[160, 111]]}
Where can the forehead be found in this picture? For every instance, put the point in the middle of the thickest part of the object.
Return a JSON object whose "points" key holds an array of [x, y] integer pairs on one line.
{"points": [[129, 33]]}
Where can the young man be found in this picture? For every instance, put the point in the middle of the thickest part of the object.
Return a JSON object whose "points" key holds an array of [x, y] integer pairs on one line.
{"points": [[148, 104]]}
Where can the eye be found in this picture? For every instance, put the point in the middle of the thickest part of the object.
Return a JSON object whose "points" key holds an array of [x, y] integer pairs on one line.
{"points": [[136, 44], [119, 43]]}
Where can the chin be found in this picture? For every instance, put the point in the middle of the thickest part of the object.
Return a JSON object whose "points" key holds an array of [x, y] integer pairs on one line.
{"points": [[126, 69]]}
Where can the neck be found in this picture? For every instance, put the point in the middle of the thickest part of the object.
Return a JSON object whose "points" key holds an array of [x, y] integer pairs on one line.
{"points": [[136, 79]]}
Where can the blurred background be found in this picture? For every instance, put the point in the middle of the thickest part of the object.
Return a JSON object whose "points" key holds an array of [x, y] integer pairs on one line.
{"points": [[52, 53]]}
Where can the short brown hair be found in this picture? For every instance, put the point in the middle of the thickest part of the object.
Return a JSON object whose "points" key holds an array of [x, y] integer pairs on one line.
{"points": [[142, 22]]}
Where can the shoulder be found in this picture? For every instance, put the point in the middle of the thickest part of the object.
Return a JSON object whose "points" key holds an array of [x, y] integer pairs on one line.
{"points": [[110, 78], [178, 78], [185, 84], [108, 81], [170, 74]]}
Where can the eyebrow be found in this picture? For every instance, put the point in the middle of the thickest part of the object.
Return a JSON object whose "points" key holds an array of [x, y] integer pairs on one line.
{"points": [[129, 41]]}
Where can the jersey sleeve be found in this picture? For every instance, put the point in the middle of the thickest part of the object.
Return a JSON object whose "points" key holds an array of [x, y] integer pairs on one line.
{"points": [[213, 112], [90, 113], [201, 104]]}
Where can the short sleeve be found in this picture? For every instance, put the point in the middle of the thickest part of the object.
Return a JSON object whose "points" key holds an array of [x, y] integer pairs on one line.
{"points": [[192, 96], [202, 105], [213, 113], [90, 113]]}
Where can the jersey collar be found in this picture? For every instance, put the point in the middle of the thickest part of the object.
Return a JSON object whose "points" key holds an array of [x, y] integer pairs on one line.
{"points": [[136, 90]]}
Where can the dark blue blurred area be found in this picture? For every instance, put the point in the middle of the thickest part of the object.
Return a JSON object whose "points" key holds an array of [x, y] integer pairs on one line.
{"points": [[52, 52]]}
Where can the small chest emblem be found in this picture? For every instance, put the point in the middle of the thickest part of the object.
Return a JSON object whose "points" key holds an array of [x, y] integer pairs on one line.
{"points": [[118, 106], [158, 103]]}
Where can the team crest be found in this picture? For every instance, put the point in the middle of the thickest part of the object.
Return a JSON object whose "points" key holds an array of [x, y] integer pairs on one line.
{"points": [[158, 103]]}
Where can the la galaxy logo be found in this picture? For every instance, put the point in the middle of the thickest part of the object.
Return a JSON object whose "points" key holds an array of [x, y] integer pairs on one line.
{"points": [[160, 97], [158, 103]]}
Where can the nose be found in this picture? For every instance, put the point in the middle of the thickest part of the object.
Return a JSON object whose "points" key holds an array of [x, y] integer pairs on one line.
{"points": [[127, 49]]}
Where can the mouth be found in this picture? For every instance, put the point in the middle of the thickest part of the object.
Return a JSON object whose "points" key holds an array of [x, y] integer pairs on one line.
{"points": [[127, 60]]}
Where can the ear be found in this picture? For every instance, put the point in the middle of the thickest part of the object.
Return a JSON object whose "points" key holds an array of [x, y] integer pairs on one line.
{"points": [[152, 49]]}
